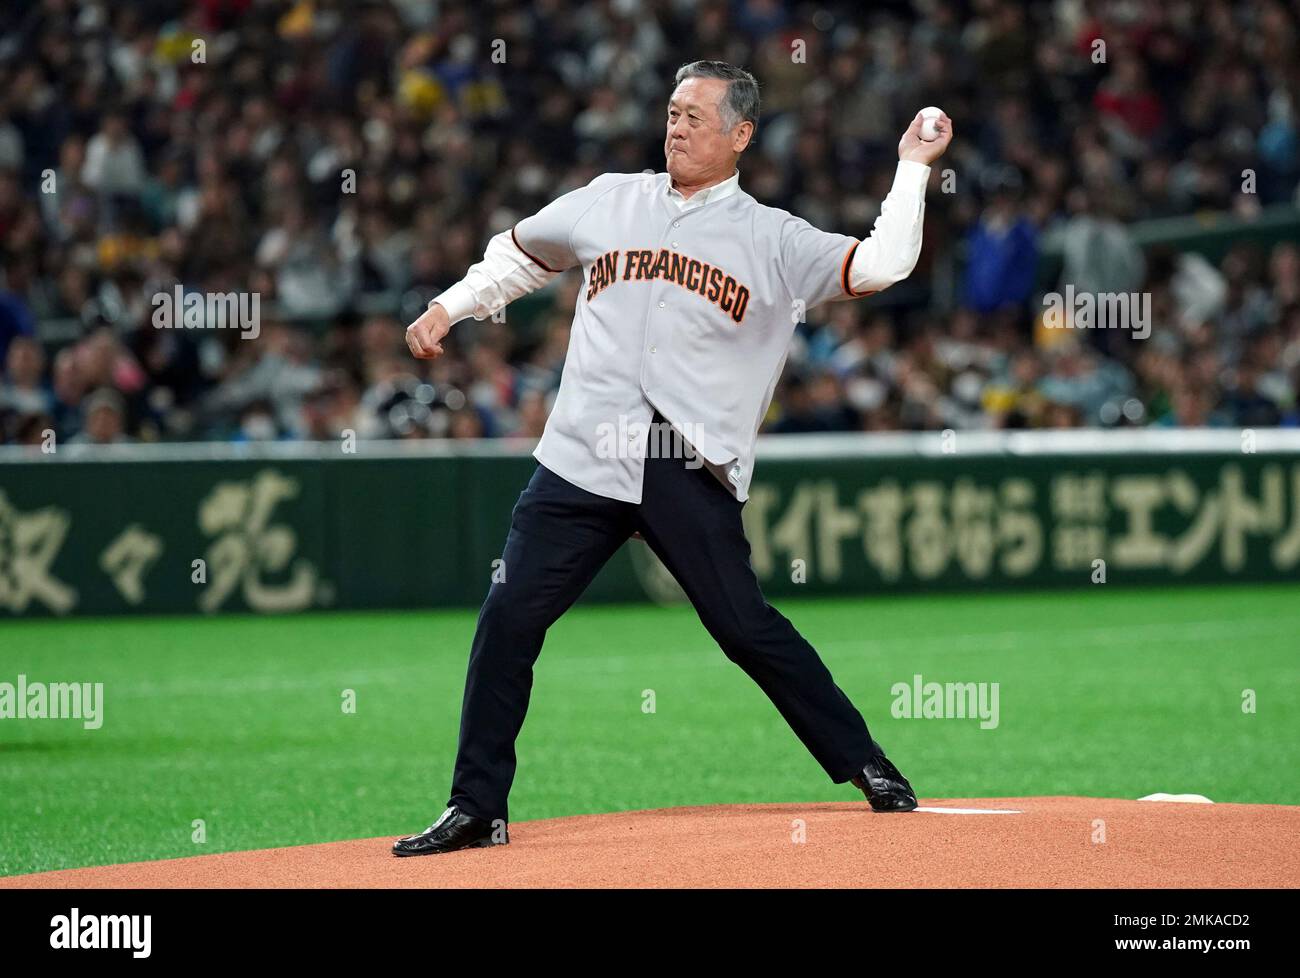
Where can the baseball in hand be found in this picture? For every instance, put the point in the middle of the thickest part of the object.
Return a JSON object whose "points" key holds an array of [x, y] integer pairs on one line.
{"points": [[929, 116]]}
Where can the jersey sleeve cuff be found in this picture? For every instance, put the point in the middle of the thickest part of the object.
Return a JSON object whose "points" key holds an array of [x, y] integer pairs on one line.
{"points": [[911, 177], [459, 301]]}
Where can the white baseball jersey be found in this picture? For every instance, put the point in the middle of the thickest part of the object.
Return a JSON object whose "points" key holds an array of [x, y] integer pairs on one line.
{"points": [[686, 306]]}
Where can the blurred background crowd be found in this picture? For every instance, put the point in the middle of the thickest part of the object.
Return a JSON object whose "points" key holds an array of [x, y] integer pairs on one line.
{"points": [[347, 161]]}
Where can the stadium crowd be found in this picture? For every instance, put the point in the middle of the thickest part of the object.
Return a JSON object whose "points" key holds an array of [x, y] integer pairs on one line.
{"points": [[346, 161]]}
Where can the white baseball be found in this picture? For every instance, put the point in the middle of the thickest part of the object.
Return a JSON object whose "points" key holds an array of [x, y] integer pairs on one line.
{"points": [[929, 116]]}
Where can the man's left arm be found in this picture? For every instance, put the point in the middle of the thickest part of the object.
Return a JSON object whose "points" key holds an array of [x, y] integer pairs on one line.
{"points": [[889, 253], [823, 266]]}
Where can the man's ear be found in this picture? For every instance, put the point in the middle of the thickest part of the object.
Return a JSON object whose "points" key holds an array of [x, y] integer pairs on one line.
{"points": [[742, 136]]}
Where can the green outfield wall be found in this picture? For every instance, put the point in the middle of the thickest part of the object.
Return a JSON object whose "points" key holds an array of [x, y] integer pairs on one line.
{"points": [[210, 529]]}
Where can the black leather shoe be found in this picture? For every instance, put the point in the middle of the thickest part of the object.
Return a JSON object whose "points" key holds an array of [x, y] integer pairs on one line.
{"points": [[885, 788], [453, 830]]}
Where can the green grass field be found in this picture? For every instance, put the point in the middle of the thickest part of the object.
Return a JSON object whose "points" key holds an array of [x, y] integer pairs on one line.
{"points": [[238, 720]]}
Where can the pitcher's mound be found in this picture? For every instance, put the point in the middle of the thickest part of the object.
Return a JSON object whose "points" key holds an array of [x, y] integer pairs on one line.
{"points": [[971, 842]]}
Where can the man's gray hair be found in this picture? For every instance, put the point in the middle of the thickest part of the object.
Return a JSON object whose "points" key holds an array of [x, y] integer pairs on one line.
{"points": [[741, 101]]}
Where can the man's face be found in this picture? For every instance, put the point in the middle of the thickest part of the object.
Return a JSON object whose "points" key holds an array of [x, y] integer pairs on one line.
{"points": [[695, 147]]}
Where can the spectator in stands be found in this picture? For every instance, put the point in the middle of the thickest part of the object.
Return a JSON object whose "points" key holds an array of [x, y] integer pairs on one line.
{"points": [[115, 164], [22, 387], [105, 413], [348, 165], [1002, 249]]}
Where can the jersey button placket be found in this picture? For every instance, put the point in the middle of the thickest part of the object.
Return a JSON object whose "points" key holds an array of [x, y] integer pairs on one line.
{"points": [[653, 347]]}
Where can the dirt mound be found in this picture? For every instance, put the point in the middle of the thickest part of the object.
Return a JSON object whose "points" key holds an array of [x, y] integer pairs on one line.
{"points": [[1035, 842]]}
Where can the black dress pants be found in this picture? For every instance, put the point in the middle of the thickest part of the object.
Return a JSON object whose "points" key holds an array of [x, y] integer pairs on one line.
{"points": [[560, 536]]}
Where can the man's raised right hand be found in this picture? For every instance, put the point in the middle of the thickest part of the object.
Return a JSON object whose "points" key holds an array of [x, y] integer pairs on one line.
{"points": [[424, 336]]}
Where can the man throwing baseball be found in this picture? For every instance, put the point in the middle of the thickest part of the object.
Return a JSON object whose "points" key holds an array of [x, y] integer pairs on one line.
{"points": [[691, 292]]}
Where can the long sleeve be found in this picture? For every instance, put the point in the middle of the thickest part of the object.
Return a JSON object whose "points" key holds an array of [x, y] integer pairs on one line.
{"points": [[508, 271], [826, 266], [504, 274], [889, 254]]}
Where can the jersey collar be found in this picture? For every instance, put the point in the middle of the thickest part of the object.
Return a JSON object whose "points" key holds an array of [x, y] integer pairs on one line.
{"points": [[709, 194]]}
